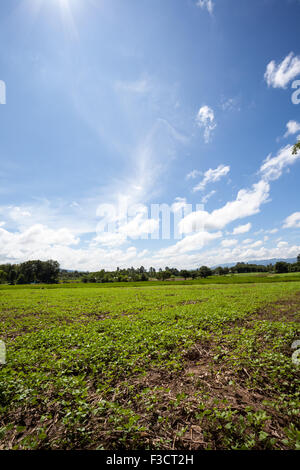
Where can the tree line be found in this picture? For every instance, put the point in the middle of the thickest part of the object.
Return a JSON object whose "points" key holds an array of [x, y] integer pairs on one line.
{"points": [[49, 272], [141, 274], [30, 272]]}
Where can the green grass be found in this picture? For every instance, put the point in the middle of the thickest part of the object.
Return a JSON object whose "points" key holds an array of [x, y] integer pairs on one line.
{"points": [[184, 365]]}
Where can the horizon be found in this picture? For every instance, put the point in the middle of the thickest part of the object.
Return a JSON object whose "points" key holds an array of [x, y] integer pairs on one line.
{"points": [[112, 110]]}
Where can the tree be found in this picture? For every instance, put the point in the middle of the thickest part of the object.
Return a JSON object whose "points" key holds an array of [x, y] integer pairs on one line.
{"points": [[281, 267], [185, 274], [52, 271], [163, 275], [3, 276], [12, 277], [204, 271], [219, 271], [296, 148], [298, 258], [21, 279]]}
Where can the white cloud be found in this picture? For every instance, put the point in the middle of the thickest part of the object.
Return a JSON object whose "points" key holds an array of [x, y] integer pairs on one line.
{"points": [[208, 196], [229, 243], [247, 241], [212, 176], [206, 119], [192, 242], [292, 128], [272, 168], [247, 202], [78, 220], [292, 221], [222, 255], [206, 4], [139, 226], [282, 244], [255, 244], [193, 174], [242, 229], [279, 76], [23, 245], [180, 203], [17, 214], [108, 239], [122, 221]]}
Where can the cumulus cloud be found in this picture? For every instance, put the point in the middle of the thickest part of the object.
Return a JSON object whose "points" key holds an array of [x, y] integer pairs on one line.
{"points": [[256, 244], [25, 244], [292, 128], [229, 243], [109, 239], [273, 167], [139, 226], [123, 221], [242, 229], [280, 75], [212, 176], [206, 119], [206, 4], [247, 241], [247, 202], [190, 243], [282, 244], [292, 221]]}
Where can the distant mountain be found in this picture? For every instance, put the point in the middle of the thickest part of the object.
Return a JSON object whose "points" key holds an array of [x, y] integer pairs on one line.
{"points": [[264, 262]]}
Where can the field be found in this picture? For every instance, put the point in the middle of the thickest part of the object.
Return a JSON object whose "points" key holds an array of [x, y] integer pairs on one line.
{"points": [[194, 365]]}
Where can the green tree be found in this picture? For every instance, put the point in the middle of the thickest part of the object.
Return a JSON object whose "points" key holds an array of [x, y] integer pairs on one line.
{"points": [[281, 267], [3, 276], [185, 274], [204, 271], [21, 279], [296, 148], [12, 277]]}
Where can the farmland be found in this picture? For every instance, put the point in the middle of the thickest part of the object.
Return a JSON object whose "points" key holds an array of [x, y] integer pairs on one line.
{"points": [[191, 365]]}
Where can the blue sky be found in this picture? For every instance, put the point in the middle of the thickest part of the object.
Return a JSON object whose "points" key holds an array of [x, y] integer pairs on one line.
{"points": [[115, 105]]}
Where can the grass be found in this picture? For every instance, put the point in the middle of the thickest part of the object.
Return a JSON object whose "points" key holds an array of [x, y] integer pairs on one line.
{"points": [[193, 366]]}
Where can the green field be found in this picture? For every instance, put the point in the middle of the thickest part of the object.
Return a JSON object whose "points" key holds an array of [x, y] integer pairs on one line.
{"points": [[178, 365]]}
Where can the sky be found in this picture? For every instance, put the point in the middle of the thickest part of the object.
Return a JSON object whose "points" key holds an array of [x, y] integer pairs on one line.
{"points": [[149, 132]]}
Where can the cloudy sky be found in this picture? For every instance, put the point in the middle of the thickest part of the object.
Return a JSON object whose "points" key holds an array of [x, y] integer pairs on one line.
{"points": [[116, 106]]}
